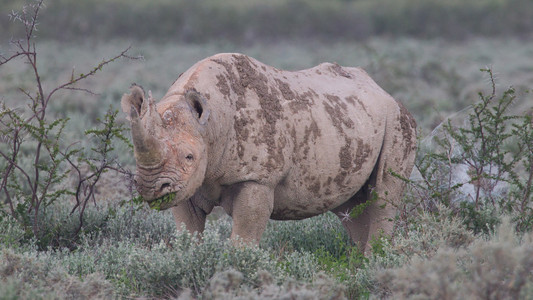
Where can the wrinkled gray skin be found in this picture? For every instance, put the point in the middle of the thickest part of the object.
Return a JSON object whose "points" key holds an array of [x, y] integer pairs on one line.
{"points": [[270, 144]]}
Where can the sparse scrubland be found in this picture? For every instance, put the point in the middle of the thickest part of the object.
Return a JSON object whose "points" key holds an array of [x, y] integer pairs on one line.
{"points": [[464, 230]]}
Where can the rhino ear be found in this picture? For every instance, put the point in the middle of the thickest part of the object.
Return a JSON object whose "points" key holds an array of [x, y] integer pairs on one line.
{"points": [[134, 100], [198, 105]]}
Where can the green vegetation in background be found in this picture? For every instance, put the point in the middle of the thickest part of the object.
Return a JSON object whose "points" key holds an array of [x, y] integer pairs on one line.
{"points": [[256, 20]]}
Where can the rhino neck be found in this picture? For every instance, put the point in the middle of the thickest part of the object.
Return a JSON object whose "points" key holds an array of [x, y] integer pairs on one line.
{"points": [[216, 139]]}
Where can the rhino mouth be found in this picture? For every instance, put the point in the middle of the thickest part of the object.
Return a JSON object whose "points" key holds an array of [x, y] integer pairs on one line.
{"points": [[160, 203]]}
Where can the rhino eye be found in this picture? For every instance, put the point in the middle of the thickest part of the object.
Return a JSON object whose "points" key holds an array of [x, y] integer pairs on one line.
{"points": [[189, 157]]}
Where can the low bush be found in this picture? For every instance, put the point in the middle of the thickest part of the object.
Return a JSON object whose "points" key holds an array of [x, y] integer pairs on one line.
{"points": [[152, 259], [227, 285], [29, 276], [497, 268]]}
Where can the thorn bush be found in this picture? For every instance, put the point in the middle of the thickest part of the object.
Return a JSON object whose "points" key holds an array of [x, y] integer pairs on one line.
{"points": [[36, 161], [482, 167]]}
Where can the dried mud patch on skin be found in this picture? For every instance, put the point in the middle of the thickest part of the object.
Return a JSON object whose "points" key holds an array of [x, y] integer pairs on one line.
{"points": [[311, 133], [336, 100], [243, 75], [231, 80], [337, 116], [285, 90], [294, 141], [258, 82], [353, 100], [337, 69], [240, 103], [301, 102], [362, 153], [408, 129], [222, 85], [315, 187], [240, 125], [339, 179], [336, 112], [347, 159], [345, 156]]}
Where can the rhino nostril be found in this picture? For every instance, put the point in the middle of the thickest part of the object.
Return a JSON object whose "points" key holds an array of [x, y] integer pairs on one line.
{"points": [[164, 186]]}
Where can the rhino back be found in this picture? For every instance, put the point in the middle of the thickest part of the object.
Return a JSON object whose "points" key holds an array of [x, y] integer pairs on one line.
{"points": [[313, 135]]}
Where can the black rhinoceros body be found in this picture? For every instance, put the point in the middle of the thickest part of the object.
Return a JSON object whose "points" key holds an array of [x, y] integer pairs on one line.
{"points": [[270, 144]]}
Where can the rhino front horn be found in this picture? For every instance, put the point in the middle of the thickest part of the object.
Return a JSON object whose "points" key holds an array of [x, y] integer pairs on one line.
{"points": [[147, 149]]}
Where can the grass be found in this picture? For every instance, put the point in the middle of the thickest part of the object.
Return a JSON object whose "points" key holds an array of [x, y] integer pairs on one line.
{"points": [[138, 253], [129, 251]]}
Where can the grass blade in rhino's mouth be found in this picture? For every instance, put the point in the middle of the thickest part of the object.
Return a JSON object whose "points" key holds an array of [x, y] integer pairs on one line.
{"points": [[156, 203]]}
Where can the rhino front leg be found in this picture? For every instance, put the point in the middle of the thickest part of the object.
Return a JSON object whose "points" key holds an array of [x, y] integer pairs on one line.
{"points": [[191, 215], [251, 208]]}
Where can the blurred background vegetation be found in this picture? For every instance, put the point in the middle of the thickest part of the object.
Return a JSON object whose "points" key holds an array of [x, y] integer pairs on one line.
{"points": [[253, 20]]}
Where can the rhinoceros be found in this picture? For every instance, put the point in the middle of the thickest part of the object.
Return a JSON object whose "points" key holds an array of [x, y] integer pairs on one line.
{"points": [[264, 143]]}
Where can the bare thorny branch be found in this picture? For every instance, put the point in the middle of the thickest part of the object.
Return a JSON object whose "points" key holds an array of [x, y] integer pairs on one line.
{"points": [[46, 143]]}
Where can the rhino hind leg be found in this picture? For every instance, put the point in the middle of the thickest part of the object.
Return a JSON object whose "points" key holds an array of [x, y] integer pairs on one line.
{"points": [[357, 228], [389, 189], [378, 218]]}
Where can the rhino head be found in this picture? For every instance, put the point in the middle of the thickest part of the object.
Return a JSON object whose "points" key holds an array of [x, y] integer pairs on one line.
{"points": [[169, 146]]}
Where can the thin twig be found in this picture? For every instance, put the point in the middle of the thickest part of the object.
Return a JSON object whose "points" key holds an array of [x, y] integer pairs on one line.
{"points": [[71, 82]]}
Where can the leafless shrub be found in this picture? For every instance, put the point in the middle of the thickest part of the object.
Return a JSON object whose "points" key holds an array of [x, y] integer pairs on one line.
{"points": [[35, 160]]}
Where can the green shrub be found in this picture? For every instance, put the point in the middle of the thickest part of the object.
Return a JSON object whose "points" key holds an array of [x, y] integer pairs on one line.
{"points": [[483, 167], [12, 235], [423, 237]]}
